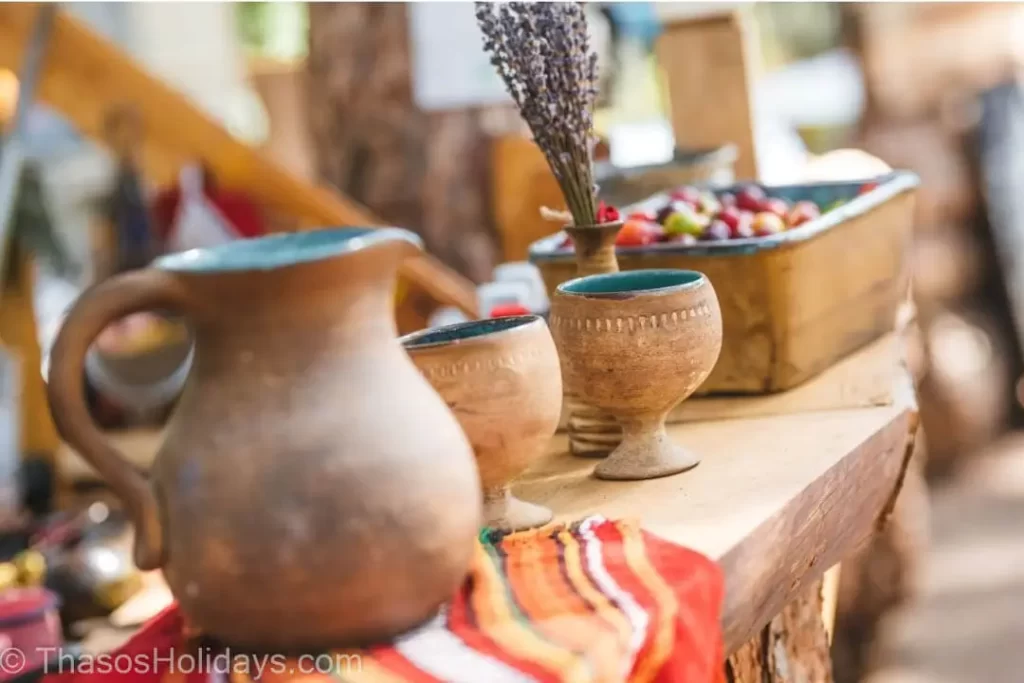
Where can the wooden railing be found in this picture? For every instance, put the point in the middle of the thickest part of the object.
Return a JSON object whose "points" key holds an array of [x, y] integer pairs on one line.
{"points": [[84, 76]]}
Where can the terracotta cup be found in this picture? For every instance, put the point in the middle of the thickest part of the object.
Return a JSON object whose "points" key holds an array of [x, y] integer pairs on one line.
{"points": [[635, 344], [501, 379]]}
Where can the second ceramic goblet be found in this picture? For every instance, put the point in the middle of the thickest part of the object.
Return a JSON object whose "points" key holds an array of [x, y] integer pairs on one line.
{"points": [[501, 378], [635, 344]]}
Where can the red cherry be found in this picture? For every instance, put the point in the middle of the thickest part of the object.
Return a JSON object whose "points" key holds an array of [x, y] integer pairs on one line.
{"points": [[750, 198], [731, 216], [777, 206]]}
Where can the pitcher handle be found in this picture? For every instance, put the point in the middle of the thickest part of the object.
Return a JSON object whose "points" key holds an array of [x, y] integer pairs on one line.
{"points": [[98, 307]]}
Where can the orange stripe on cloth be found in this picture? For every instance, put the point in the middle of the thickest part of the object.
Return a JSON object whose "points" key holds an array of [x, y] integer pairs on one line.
{"points": [[592, 602], [464, 623], [554, 608], [662, 604], [498, 616], [604, 609]]}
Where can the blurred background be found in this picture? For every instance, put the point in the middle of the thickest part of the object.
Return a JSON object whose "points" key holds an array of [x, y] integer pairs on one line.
{"points": [[388, 104]]}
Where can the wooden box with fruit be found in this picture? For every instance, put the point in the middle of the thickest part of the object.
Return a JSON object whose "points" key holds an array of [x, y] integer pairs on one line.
{"points": [[805, 274]]}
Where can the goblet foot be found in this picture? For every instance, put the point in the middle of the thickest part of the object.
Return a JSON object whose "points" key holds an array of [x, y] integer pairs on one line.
{"points": [[505, 512], [646, 453]]}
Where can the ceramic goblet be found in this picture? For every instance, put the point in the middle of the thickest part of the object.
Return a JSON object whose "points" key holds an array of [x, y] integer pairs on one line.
{"points": [[635, 344], [501, 379]]}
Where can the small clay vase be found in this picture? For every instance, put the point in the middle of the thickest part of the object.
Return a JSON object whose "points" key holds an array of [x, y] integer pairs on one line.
{"points": [[592, 433], [635, 344], [501, 379], [594, 246], [312, 491]]}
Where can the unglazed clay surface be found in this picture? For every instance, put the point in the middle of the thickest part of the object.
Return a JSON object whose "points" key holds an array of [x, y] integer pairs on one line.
{"points": [[501, 379], [635, 344]]}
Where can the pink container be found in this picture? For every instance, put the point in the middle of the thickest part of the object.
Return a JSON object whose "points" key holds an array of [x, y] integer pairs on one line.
{"points": [[30, 630]]}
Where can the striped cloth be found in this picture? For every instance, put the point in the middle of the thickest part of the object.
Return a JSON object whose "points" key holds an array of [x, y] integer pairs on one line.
{"points": [[594, 601]]}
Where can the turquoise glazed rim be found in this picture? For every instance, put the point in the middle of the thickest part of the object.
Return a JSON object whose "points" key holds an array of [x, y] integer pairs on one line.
{"points": [[460, 332], [281, 250], [632, 282]]}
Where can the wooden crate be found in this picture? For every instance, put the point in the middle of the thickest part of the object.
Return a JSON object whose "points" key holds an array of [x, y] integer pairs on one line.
{"points": [[795, 303]]}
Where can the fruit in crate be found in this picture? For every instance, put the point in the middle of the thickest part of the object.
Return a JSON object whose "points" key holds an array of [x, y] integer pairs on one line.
{"points": [[767, 223], [718, 231], [738, 221], [635, 234], [777, 206], [750, 198], [690, 215], [709, 204], [685, 220], [802, 212]]}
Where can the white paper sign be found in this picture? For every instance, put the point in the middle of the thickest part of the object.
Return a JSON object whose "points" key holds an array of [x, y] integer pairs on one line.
{"points": [[450, 69]]}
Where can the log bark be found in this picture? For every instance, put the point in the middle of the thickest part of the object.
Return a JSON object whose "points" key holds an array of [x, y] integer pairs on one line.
{"points": [[427, 171], [791, 648]]}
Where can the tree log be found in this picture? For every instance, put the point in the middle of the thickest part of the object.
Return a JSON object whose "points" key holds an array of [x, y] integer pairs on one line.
{"points": [[792, 648], [426, 171]]}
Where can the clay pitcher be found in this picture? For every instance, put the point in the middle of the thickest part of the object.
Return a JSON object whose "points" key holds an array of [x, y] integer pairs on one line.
{"points": [[313, 490]]}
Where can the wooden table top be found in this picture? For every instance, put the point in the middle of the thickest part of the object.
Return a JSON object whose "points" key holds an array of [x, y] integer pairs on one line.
{"points": [[789, 484], [777, 499]]}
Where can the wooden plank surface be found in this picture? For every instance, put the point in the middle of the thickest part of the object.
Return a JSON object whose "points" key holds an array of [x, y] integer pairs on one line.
{"points": [[84, 77], [777, 500], [710, 60]]}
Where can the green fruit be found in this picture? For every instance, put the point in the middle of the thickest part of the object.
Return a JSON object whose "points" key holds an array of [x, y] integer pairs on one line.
{"points": [[834, 205], [685, 223]]}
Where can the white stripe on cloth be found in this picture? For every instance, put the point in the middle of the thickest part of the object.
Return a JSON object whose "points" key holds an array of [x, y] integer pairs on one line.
{"points": [[638, 618], [442, 654]]}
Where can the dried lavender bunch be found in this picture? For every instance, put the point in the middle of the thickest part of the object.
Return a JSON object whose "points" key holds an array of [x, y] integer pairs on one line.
{"points": [[542, 52]]}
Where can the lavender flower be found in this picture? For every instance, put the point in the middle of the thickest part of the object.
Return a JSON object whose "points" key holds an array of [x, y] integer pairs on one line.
{"points": [[542, 53]]}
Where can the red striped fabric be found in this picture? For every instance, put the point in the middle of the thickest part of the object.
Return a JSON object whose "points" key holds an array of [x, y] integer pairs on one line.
{"points": [[596, 601]]}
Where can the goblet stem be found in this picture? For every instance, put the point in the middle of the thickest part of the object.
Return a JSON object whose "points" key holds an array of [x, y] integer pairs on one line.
{"points": [[646, 452], [505, 512]]}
